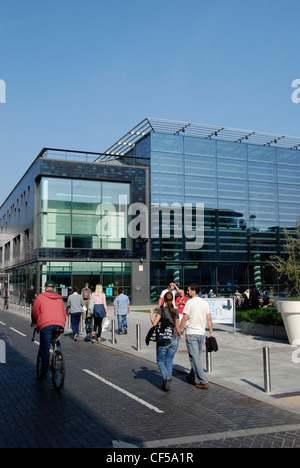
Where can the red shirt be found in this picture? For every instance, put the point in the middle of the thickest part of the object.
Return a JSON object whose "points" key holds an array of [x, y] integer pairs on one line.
{"points": [[49, 309], [180, 303]]}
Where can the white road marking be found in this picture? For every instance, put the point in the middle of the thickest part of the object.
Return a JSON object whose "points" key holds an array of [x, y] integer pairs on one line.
{"points": [[17, 331], [130, 395], [1, 323]]}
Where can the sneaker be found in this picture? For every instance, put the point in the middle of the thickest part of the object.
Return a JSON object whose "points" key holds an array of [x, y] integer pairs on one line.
{"points": [[125, 331], [75, 337], [118, 333]]}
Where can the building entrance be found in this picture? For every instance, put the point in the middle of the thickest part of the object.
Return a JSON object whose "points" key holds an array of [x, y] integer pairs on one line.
{"points": [[67, 275]]}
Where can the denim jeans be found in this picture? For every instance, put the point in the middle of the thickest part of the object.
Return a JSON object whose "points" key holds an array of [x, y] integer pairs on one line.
{"points": [[75, 322], [122, 322], [45, 343], [194, 345], [165, 357]]}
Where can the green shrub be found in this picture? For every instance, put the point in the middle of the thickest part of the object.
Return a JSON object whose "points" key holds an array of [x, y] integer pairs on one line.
{"points": [[267, 317]]}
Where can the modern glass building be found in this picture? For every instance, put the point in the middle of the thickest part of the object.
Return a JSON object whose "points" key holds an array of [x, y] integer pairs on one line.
{"points": [[169, 201]]}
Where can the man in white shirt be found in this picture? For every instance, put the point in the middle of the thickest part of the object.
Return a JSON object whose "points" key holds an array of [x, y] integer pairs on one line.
{"points": [[172, 288], [196, 315]]}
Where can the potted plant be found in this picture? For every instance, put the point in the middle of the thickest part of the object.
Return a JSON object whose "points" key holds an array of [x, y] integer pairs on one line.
{"points": [[288, 269]]}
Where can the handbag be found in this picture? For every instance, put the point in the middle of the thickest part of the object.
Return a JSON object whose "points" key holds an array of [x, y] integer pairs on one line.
{"points": [[211, 344]]}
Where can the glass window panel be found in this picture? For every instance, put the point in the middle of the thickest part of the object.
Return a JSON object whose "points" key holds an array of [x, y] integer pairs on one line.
{"points": [[206, 167], [264, 154], [168, 143], [288, 214], [116, 220], [84, 232], [288, 174], [142, 147], [261, 172], [55, 230], [262, 191], [167, 185], [263, 213], [231, 214], [56, 194], [111, 192], [286, 156], [167, 198], [199, 146], [232, 169], [289, 193], [200, 186], [226, 149], [86, 196], [209, 203], [232, 189], [169, 163]]}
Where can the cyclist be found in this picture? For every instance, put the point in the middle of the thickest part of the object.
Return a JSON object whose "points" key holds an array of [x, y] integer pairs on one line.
{"points": [[48, 313]]}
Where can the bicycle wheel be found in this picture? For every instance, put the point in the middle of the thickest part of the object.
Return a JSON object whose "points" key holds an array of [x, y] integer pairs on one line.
{"points": [[38, 366], [58, 369]]}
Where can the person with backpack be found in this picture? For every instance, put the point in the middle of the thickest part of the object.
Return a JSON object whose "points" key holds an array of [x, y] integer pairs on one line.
{"points": [[86, 294], [168, 343]]}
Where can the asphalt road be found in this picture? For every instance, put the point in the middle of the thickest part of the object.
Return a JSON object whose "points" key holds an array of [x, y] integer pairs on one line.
{"points": [[113, 400]]}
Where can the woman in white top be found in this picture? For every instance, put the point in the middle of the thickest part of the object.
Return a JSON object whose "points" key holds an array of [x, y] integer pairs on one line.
{"points": [[100, 311]]}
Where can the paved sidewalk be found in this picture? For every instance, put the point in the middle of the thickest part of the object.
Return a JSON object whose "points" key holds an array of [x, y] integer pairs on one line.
{"points": [[237, 365]]}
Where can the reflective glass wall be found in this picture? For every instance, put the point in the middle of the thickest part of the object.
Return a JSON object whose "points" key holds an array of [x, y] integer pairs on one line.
{"points": [[249, 194], [83, 214]]}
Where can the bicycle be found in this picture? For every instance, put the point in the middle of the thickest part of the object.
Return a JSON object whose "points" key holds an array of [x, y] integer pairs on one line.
{"points": [[57, 363]]}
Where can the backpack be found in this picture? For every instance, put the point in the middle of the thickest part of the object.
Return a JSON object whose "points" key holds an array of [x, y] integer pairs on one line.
{"points": [[162, 332], [86, 294]]}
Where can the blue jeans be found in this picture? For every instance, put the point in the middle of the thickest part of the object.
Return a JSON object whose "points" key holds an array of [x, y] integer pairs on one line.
{"points": [[75, 321], [45, 343], [122, 322], [165, 357], [194, 345]]}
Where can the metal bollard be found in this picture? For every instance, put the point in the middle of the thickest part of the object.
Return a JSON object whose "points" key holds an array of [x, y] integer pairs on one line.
{"points": [[138, 337], [113, 332], [208, 362], [267, 374]]}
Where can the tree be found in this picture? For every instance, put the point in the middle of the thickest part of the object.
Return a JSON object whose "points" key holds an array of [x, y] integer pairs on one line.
{"points": [[288, 267]]}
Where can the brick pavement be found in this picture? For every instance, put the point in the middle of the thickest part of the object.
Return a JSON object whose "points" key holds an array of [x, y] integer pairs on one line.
{"points": [[89, 413]]}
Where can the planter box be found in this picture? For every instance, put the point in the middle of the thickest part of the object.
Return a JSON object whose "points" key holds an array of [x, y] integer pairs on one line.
{"points": [[290, 312], [257, 329]]}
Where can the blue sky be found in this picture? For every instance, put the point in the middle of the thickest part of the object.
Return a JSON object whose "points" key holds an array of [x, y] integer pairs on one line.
{"points": [[80, 73]]}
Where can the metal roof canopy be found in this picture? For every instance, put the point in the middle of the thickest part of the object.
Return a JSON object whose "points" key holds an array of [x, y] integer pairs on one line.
{"points": [[148, 125]]}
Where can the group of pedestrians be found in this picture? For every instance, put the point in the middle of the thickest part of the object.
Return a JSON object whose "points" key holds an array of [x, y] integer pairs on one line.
{"points": [[93, 308], [192, 315], [49, 312]]}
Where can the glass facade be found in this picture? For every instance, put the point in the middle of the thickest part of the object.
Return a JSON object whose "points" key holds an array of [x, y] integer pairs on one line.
{"points": [[83, 214], [216, 208], [249, 194]]}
